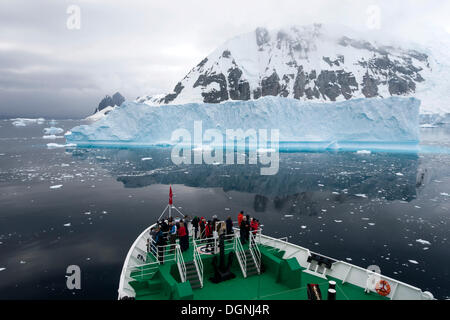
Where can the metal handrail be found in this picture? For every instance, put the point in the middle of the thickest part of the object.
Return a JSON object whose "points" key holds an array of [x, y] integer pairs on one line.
{"points": [[168, 256], [255, 252], [240, 254], [152, 266], [180, 263], [198, 263]]}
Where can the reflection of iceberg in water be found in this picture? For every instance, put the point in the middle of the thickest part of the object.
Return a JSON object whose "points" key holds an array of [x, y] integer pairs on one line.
{"points": [[378, 175]]}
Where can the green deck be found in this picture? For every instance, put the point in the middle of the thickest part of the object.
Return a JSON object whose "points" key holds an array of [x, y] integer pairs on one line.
{"points": [[280, 280]]}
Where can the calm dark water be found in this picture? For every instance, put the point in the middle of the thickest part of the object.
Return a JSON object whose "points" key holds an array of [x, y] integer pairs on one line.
{"points": [[367, 209]]}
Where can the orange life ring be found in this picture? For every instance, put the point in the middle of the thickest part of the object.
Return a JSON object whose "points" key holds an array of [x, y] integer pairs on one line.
{"points": [[383, 288]]}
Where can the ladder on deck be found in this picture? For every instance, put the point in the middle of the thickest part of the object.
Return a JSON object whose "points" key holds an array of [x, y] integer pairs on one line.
{"points": [[249, 259]]}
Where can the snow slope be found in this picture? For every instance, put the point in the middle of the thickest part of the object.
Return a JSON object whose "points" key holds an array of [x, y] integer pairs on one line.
{"points": [[393, 119]]}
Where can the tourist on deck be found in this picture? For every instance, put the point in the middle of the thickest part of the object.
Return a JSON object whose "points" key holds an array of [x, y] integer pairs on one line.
{"points": [[195, 222], [240, 217], [202, 225], [229, 224], [183, 236], [254, 226], [214, 223], [172, 236], [160, 243], [187, 224], [243, 230]]}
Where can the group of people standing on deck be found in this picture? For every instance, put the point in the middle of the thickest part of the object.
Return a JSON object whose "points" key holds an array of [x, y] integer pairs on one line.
{"points": [[168, 231], [247, 224]]}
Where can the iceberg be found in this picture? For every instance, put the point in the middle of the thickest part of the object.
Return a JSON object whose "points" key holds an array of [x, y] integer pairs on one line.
{"points": [[359, 124], [53, 131]]}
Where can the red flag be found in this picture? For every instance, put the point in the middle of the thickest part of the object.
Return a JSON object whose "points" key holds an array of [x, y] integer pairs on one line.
{"points": [[170, 196]]}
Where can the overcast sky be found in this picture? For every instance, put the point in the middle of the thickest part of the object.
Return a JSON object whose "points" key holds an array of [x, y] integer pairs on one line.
{"points": [[141, 47]]}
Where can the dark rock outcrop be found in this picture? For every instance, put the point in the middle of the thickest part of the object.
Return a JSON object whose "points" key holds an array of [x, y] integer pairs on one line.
{"points": [[116, 100], [270, 86], [213, 96]]}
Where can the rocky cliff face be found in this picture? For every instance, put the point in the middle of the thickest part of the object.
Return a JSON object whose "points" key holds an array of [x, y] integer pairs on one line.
{"points": [[306, 63], [116, 100]]}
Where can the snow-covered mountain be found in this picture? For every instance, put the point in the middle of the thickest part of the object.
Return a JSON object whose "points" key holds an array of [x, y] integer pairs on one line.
{"points": [[317, 63]]}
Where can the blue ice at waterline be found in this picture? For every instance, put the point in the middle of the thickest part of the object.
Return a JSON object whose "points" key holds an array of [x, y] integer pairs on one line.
{"points": [[360, 124]]}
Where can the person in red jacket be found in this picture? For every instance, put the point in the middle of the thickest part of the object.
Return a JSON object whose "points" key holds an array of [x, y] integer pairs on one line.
{"points": [[240, 216], [254, 225], [183, 236]]}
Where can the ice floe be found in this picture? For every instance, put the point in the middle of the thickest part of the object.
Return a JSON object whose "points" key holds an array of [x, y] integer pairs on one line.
{"points": [[23, 122], [52, 137], [53, 131], [424, 242], [58, 186], [57, 145]]}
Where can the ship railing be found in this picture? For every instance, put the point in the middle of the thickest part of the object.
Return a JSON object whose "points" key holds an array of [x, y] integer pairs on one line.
{"points": [[255, 252], [141, 271], [240, 254], [180, 263], [198, 263], [279, 244], [163, 253]]}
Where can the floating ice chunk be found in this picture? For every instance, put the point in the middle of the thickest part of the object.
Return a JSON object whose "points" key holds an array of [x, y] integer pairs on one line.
{"points": [[58, 186], [22, 122], [22, 262], [424, 242], [361, 195], [57, 145], [445, 194], [52, 137], [338, 221], [363, 152], [399, 174], [349, 259], [2, 269], [303, 227], [67, 224], [87, 213], [146, 159], [288, 215], [53, 130], [413, 261]]}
